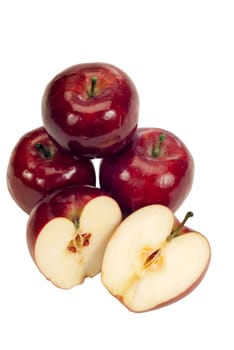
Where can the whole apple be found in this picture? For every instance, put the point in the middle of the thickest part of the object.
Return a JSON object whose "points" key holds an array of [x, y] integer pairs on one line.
{"points": [[38, 165], [157, 168], [91, 109], [67, 233]]}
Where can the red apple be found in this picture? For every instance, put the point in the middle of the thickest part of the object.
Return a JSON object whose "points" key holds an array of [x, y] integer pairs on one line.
{"points": [[150, 261], [37, 165], [67, 233], [157, 168], [91, 109]]}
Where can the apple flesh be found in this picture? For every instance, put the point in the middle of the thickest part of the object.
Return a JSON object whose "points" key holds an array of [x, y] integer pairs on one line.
{"points": [[150, 262], [157, 168], [67, 233], [38, 165], [91, 109]]}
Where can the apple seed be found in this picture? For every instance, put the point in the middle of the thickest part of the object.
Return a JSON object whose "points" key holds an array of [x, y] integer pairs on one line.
{"points": [[81, 240], [153, 258]]}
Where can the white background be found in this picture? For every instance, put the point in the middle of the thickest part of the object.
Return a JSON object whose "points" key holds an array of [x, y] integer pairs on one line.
{"points": [[180, 56]]}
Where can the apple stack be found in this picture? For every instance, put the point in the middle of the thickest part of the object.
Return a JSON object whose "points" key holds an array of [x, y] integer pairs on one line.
{"points": [[124, 228]]}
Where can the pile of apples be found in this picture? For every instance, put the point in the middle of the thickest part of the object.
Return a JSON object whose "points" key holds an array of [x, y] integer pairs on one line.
{"points": [[124, 228]]}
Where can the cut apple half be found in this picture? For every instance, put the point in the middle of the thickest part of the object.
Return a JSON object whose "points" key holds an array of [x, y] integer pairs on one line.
{"points": [[67, 251], [150, 262]]}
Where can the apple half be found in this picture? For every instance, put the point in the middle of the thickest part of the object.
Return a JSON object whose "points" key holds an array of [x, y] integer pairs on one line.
{"points": [[68, 231], [152, 260]]}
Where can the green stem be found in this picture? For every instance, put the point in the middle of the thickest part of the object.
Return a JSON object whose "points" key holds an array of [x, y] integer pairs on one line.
{"points": [[176, 232], [157, 149], [44, 151], [93, 85]]}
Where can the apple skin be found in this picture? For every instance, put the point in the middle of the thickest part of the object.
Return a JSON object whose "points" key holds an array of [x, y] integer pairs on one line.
{"points": [[135, 178], [66, 202], [92, 126], [31, 175]]}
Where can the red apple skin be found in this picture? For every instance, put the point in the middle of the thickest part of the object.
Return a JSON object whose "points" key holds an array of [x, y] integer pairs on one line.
{"points": [[92, 126], [135, 178], [31, 175], [66, 202]]}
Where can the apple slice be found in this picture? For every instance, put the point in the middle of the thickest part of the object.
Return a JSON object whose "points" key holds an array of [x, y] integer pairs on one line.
{"points": [[68, 232], [152, 260]]}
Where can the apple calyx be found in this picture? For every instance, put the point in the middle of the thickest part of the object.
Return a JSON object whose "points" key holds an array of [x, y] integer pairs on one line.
{"points": [[93, 85], [157, 149], [45, 152], [177, 230]]}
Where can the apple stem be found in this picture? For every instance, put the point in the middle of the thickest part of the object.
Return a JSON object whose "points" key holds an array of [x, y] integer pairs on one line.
{"points": [[176, 232], [44, 151], [76, 222], [157, 149], [93, 85]]}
